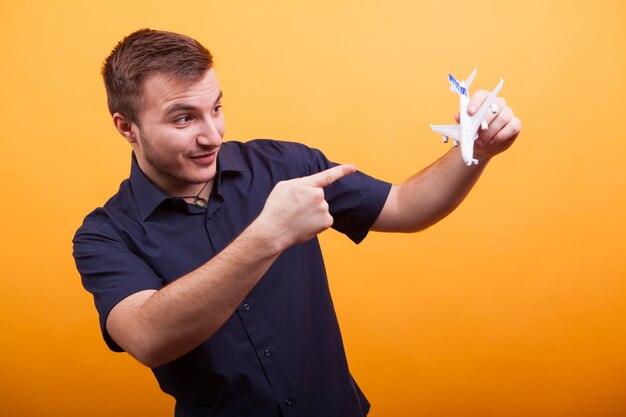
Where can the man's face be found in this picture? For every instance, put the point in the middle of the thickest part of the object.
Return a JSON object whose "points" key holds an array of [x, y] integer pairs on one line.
{"points": [[181, 131]]}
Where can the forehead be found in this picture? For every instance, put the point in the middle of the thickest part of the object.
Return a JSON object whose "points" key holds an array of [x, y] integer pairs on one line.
{"points": [[160, 90]]}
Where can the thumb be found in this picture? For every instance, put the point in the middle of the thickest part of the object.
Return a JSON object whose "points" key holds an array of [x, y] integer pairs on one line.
{"points": [[477, 100]]}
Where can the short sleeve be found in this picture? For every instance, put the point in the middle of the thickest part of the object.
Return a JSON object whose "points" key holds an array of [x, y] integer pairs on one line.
{"points": [[355, 201], [109, 269]]}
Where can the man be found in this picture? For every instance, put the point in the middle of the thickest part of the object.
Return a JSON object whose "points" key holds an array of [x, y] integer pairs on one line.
{"points": [[205, 266]]}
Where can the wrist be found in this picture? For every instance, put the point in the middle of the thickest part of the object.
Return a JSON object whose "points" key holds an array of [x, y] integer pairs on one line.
{"points": [[266, 236]]}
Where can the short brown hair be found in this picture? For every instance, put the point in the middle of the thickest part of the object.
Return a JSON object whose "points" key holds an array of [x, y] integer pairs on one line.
{"points": [[146, 52]]}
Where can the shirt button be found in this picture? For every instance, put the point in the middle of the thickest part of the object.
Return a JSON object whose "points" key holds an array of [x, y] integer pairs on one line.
{"points": [[210, 216], [267, 352], [288, 402], [246, 306]]}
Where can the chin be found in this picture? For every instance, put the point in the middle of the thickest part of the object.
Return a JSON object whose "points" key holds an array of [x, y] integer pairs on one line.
{"points": [[204, 175]]}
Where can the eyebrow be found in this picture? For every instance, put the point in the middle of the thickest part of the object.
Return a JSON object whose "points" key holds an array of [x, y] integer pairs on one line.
{"points": [[188, 107]]}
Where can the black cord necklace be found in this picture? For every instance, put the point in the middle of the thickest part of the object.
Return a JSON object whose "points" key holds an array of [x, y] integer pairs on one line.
{"points": [[197, 200]]}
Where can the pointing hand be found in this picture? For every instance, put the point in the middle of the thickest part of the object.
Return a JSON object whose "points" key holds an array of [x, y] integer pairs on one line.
{"points": [[296, 211]]}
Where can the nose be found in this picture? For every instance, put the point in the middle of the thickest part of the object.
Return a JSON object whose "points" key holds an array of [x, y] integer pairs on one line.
{"points": [[210, 134]]}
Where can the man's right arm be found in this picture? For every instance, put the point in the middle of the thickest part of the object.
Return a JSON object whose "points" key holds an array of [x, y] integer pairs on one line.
{"points": [[156, 327]]}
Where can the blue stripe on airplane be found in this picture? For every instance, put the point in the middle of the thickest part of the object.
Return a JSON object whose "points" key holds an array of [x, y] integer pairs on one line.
{"points": [[461, 90]]}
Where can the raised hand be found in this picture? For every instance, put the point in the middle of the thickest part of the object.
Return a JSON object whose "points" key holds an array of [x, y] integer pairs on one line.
{"points": [[503, 126]]}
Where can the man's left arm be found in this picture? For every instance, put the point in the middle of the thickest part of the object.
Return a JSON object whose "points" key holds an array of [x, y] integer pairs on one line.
{"points": [[433, 193]]}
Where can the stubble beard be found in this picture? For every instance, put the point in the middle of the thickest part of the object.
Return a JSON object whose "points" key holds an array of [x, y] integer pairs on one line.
{"points": [[159, 163]]}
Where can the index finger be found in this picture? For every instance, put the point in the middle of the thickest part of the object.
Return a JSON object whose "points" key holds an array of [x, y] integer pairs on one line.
{"points": [[327, 177]]}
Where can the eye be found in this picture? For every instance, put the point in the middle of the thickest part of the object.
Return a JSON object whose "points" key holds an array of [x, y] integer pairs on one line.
{"points": [[217, 109], [183, 119]]}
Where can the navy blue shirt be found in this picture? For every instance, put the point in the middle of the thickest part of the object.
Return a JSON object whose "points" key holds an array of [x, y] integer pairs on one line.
{"points": [[281, 352]]}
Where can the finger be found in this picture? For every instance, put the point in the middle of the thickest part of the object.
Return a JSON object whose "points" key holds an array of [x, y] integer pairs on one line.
{"points": [[327, 177], [508, 132], [500, 106], [496, 124], [477, 100]]}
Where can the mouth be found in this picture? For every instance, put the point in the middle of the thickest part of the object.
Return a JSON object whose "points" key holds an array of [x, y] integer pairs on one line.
{"points": [[204, 158]]}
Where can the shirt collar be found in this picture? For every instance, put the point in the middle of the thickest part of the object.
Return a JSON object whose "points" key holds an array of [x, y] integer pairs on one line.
{"points": [[229, 159], [148, 196]]}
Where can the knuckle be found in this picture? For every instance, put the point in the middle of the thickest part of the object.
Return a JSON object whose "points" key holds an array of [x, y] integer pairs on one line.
{"points": [[279, 186], [329, 221], [507, 114], [517, 124]]}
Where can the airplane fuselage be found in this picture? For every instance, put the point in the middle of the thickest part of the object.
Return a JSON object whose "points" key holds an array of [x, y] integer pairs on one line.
{"points": [[467, 136]]}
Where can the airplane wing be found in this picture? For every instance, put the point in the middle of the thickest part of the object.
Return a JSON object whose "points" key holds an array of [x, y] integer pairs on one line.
{"points": [[451, 131], [469, 80], [480, 114]]}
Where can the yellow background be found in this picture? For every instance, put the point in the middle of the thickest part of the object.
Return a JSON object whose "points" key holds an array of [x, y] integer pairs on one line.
{"points": [[515, 305]]}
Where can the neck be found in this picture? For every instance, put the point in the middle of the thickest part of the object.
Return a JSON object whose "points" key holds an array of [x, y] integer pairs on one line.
{"points": [[201, 198], [176, 187]]}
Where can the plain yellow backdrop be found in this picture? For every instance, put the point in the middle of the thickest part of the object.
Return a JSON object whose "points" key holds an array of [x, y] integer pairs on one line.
{"points": [[515, 305]]}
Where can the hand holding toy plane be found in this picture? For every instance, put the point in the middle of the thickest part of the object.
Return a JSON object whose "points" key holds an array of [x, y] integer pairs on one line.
{"points": [[467, 131]]}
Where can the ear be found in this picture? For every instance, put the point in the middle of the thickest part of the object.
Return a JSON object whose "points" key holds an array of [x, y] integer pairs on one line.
{"points": [[125, 127]]}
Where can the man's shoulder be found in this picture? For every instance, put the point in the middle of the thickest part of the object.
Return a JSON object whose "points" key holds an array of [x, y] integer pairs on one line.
{"points": [[272, 154], [100, 219], [265, 145]]}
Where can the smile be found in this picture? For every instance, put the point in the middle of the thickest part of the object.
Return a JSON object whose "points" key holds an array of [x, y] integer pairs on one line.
{"points": [[205, 158]]}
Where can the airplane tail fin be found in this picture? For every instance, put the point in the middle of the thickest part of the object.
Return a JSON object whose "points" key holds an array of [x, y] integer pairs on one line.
{"points": [[457, 87]]}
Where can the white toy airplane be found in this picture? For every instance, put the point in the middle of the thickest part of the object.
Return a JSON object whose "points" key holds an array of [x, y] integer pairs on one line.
{"points": [[467, 131]]}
